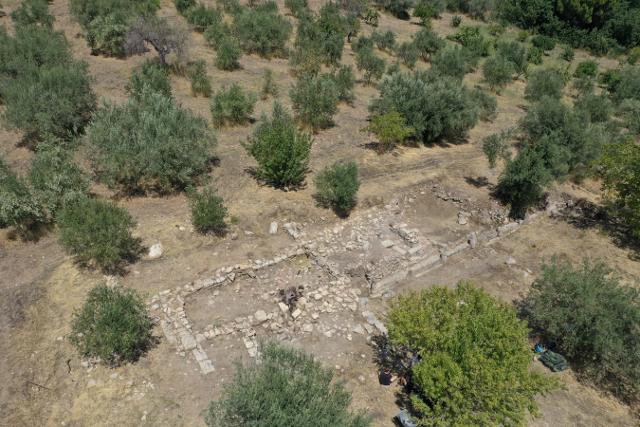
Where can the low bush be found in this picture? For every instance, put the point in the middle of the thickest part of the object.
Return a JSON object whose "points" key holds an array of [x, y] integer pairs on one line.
{"points": [[98, 233], [32, 12], [315, 100], [487, 104], [86, 11], [497, 72], [345, 80], [149, 76], [269, 87], [113, 325], [544, 43], [262, 30], [370, 64], [544, 82], [106, 35], [473, 40], [515, 53], [201, 17], [149, 145], [568, 54], [596, 108], [534, 55], [408, 53], [425, 11], [228, 53], [523, 181], [183, 5], [584, 86], [628, 84], [215, 33], [471, 359], [296, 7], [337, 187], [320, 39], [200, 84], [587, 315], [586, 69], [207, 212], [428, 43], [452, 61], [391, 129], [55, 178], [286, 388], [280, 149], [398, 8], [19, 207], [494, 147], [435, 106], [232, 106], [630, 112], [384, 41]]}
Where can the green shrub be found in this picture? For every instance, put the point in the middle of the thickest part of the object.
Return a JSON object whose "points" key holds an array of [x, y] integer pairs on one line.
{"points": [[200, 84], [232, 106], [497, 72], [398, 8], [587, 315], [621, 183], [281, 150], [183, 5], [630, 112], [452, 61], [320, 39], [337, 187], [425, 12], [230, 6], [584, 86], [568, 54], [287, 388], [296, 7], [408, 54], [596, 108], [534, 55], [216, 33], [495, 147], [628, 84], [228, 53], [201, 17], [515, 53], [269, 87], [523, 181], [371, 17], [384, 41], [473, 365], [86, 11], [362, 43], [544, 43], [344, 80], [473, 40], [633, 56], [149, 76], [428, 43], [456, 20], [262, 30], [315, 100], [391, 129], [370, 64], [55, 178], [31, 49], [496, 29], [149, 145], [19, 207], [106, 35], [32, 12], [98, 233], [487, 104], [113, 325], [586, 69], [54, 100], [436, 107], [207, 212], [544, 82]]}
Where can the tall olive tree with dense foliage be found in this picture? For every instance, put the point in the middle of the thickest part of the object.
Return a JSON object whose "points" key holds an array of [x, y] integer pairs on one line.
{"points": [[473, 358], [149, 145]]}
